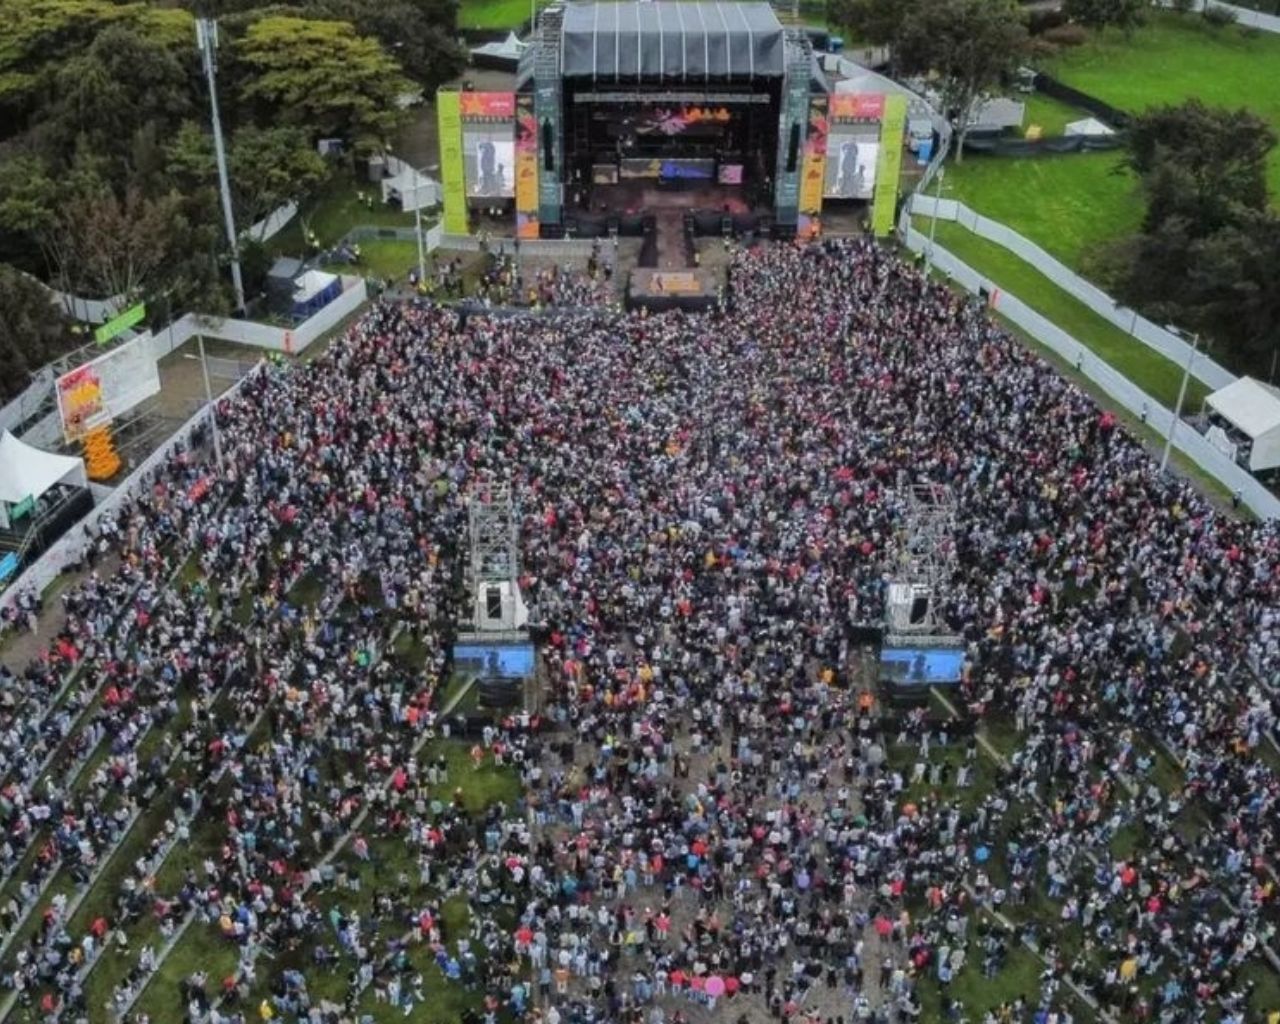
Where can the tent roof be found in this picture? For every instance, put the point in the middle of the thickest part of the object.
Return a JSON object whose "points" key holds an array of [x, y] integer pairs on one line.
{"points": [[1249, 405], [672, 39], [1088, 126], [311, 284], [27, 471], [510, 47]]}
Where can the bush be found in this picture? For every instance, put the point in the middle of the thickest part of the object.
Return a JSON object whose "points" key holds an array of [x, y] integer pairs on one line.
{"points": [[1218, 17], [1067, 35], [1183, 6], [1039, 48], [1041, 21]]}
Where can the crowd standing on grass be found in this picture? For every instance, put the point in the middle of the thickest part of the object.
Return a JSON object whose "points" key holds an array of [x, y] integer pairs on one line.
{"points": [[716, 821]]}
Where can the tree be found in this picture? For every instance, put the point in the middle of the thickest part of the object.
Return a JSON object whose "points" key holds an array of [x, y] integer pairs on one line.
{"points": [[324, 77], [1200, 163], [268, 167], [420, 33], [1122, 14], [33, 330], [967, 44]]}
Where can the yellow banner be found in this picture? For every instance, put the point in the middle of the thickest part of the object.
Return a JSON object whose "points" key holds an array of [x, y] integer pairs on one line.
{"points": [[452, 170], [892, 129], [814, 171], [526, 168]]}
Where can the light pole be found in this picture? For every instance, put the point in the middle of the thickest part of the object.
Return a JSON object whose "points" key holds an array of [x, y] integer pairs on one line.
{"points": [[1182, 392], [933, 221], [422, 256], [208, 395], [207, 40]]}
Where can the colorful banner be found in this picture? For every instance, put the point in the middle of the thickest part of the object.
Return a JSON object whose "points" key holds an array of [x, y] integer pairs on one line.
{"points": [[452, 169], [80, 401], [487, 106], [526, 168], [815, 166], [891, 138], [857, 106]]}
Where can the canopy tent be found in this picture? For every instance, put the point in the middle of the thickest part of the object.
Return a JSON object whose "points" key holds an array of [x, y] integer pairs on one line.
{"points": [[504, 55], [697, 40], [1088, 126], [1253, 409], [27, 472], [411, 189], [313, 291]]}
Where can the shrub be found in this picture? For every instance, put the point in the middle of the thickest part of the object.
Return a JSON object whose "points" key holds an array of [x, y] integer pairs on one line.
{"points": [[1067, 35], [1218, 17], [1183, 6], [1041, 21]]}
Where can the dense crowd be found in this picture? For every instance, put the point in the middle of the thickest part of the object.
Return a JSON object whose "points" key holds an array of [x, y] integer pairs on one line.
{"points": [[718, 820]]}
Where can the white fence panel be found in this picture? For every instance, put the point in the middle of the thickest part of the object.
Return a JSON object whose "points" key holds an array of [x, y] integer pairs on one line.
{"points": [[354, 295], [1153, 336], [1119, 388], [273, 223], [28, 402], [1245, 16]]}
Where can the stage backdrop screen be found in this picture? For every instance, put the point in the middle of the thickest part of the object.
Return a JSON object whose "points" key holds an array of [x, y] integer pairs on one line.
{"points": [[489, 155], [921, 666], [508, 661], [852, 155]]}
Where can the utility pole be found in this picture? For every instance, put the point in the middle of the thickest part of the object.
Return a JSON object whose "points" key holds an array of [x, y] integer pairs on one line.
{"points": [[1182, 393], [933, 221], [207, 41]]}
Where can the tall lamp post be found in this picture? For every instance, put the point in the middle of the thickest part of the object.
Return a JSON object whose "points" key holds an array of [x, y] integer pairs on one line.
{"points": [[1182, 391], [208, 396], [207, 40], [933, 221]]}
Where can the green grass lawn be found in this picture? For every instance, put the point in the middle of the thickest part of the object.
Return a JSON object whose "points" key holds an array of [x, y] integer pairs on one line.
{"points": [[1065, 204], [1176, 57], [334, 211], [1148, 369], [493, 13], [388, 259], [1051, 115]]}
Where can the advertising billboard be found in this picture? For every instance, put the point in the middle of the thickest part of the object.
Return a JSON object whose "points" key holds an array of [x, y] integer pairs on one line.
{"points": [[527, 225], [108, 387], [814, 171], [891, 139], [452, 174]]}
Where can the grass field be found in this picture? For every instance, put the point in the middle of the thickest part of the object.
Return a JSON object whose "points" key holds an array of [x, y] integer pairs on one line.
{"points": [[493, 13], [1067, 204], [388, 259], [1177, 57], [1149, 370], [1051, 115], [333, 212]]}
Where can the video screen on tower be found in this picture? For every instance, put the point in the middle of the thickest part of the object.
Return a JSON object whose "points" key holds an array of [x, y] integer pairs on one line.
{"points": [[489, 156], [852, 152], [921, 666], [509, 661]]}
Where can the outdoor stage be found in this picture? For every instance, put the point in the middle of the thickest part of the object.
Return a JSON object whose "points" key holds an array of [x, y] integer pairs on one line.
{"points": [[661, 290]]}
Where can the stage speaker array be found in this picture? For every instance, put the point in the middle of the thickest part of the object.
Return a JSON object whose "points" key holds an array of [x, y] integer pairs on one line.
{"points": [[793, 148], [548, 147]]}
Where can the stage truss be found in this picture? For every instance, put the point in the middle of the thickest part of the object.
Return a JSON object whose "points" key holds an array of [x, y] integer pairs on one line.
{"points": [[917, 591]]}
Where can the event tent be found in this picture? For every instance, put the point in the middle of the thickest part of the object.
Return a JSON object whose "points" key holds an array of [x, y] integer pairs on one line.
{"points": [[1253, 409], [27, 472]]}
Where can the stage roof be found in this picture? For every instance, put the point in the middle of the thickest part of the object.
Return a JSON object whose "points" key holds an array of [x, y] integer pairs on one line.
{"points": [[672, 39]]}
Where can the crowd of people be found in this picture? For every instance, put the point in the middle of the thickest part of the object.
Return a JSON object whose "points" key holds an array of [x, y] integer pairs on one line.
{"points": [[718, 818]]}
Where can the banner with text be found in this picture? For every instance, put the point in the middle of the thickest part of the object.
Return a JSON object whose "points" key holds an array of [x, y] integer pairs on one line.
{"points": [[526, 168], [452, 168], [891, 136], [814, 172]]}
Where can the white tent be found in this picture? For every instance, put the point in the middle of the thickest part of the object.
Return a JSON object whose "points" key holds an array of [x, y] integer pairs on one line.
{"points": [[1088, 126], [411, 189], [509, 50], [1252, 408], [27, 473]]}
